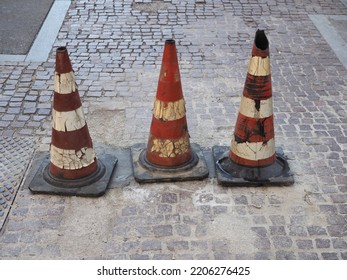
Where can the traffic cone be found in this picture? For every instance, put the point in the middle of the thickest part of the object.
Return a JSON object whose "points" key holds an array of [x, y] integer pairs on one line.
{"points": [[168, 149], [252, 158], [72, 153], [73, 168]]}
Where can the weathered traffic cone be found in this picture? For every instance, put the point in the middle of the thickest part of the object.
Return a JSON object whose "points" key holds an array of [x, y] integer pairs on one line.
{"points": [[72, 153], [169, 155], [73, 168], [252, 158]]}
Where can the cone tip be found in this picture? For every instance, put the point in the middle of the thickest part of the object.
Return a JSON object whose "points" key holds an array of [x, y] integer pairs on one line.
{"points": [[260, 40], [61, 49], [62, 61], [170, 41]]}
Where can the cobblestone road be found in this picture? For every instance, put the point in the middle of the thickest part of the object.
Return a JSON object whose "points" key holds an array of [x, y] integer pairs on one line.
{"points": [[116, 49]]}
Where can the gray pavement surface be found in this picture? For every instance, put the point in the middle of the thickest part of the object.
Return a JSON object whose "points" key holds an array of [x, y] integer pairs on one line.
{"points": [[20, 21], [116, 50], [16, 154]]}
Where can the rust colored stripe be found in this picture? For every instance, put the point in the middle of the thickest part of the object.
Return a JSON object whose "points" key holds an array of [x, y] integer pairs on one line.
{"points": [[253, 130], [169, 70], [154, 158], [259, 52], [169, 85], [257, 87], [66, 102], [252, 163], [169, 91], [72, 140], [169, 129], [73, 174], [62, 61]]}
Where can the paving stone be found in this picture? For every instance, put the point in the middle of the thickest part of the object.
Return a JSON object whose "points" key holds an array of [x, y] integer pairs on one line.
{"points": [[337, 231], [282, 241], [285, 255], [330, 256], [277, 230], [130, 210], [304, 244], [163, 230], [169, 198], [183, 230], [297, 230], [151, 245], [337, 220], [164, 208], [129, 246], [177, 245], [162, 257], [260, 231], [277, 220], [322, 243], [339, 243], [308, 256], [316, 230], [139, 257]]}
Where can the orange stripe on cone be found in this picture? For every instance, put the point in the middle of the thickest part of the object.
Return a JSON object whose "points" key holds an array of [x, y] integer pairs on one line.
{"points": [[66, 102], [253, 129], [257, 87], [76, 138], [253, 143], [73, 173], [72, 153], [168, 143]]}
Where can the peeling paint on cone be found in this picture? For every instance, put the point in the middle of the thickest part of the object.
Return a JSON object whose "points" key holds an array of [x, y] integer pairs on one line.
{"points": [[168, 142], [72, 153], [253, 143], [252, 159]]}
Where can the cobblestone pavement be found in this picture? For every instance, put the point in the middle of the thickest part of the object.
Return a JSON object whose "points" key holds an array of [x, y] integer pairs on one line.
{"points": [[116, 49]]}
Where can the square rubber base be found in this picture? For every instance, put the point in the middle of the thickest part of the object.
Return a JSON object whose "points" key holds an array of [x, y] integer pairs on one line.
{"points": [[143, 173], [277, 174], [39, 185]]}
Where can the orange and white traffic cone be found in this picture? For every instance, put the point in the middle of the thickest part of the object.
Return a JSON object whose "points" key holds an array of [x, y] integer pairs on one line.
{"points": [[168, 149], [73, 168], [72, 153], [168, 143], [252, 157]]}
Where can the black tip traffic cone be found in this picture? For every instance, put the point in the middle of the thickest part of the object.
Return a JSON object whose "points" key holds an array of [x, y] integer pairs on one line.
{"points": [[169, 156], [73, 168], [252, 159]]}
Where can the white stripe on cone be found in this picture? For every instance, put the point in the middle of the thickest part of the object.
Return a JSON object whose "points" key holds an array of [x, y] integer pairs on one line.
{"points": [[170, 148], [253, 150], [64, 83], [68, 121], [71, 159], [248, 108], [169, 111], [259, 66]]}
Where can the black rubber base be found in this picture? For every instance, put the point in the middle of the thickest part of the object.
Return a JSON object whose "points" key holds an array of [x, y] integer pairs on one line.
{"points": [[232, 174], [93, 185], [145, 172]]}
